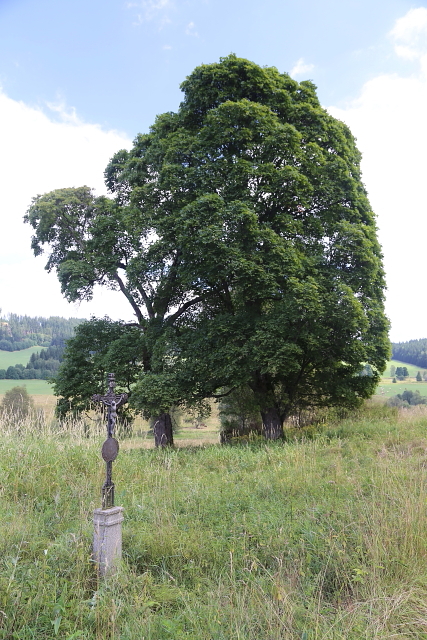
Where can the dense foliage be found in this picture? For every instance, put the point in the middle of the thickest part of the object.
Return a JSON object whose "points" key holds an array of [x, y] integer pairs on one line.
{"points": [[241, 235], [98, 347], [412, 351]]}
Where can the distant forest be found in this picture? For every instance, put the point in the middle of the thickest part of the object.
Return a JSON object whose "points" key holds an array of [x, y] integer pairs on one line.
{"points": [[413, 352], [21, 332]]}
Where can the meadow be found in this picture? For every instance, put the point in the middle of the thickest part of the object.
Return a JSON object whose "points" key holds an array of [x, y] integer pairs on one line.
{"points": [[387, 389], [34, 387], [12, 358], [320, 537], [412, 369]]}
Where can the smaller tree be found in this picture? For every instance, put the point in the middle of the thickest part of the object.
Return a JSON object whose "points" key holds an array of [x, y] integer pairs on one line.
{"points": [[17, 403], [412, 397], [419, 377], [401, 373], [392, 371]]}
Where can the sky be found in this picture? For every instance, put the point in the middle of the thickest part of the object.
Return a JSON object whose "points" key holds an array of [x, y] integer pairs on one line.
{"points": [[79, 80]]}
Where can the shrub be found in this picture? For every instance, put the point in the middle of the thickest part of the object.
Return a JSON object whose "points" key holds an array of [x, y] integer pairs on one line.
{"points": [[13, 373], [407, 398], [6, 345], [17, 403]]}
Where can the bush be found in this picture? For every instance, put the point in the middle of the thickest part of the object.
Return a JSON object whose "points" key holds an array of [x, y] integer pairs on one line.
{"points": [[13, 373], [406, 399], [17, 403]]}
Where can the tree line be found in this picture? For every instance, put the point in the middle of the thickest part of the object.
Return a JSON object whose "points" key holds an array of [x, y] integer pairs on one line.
{"points": [[42, 365], [51, 333], [240, 233], [412, 351], [18, 332]]}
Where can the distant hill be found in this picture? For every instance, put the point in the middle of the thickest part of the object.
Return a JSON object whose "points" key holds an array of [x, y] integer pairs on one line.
{"points": [[21, 332], [414, 352], [22, 338]]}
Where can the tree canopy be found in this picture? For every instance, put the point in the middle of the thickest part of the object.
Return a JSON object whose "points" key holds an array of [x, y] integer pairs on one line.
{"points": [[241, 234]]}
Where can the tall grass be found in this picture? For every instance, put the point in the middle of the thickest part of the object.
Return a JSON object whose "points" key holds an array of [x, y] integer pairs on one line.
{"points": [[317, 539]]}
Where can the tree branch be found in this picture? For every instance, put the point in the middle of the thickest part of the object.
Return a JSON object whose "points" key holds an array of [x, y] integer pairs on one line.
{"points": [[129, 298], [147, 302], [171, 319], [164, 293]]}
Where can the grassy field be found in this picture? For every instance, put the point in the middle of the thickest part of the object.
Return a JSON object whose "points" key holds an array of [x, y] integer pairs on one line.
{"points": [[412, 369], [34, 387], [388, 389], [11, 358], [309, 539]]}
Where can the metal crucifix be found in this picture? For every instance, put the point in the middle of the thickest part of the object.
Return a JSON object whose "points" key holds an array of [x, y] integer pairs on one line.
{"points": [[110, 448]]}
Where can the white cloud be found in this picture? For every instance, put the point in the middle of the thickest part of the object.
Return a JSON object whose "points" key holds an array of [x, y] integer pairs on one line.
{"points": [[38, 155], [300, 68], [389, 122], [411, 25], [410, 34], [152, 10], [191, 30]]}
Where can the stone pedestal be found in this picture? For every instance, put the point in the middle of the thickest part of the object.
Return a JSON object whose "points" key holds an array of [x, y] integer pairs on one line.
{"points": [[107, 539]]}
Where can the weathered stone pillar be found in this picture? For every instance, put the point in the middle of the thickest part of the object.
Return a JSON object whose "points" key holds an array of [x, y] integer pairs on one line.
{"points": [[107, 539]]}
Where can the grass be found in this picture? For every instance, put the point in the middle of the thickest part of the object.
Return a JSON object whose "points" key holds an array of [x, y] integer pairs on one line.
{"points": [[387, 389], [34, 387], [12, 358], [314, 539], [412, 369]]}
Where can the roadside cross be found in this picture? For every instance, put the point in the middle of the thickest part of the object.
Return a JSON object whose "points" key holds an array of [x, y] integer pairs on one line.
{"points": [[110, 448]]}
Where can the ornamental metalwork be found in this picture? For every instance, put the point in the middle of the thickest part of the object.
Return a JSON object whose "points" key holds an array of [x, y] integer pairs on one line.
{"points": [[110, 448]]}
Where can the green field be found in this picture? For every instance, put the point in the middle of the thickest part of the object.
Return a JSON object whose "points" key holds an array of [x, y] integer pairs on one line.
{"points": [[412, 369], [34, 387], [11, 358], [310, 539], [388, 389]]}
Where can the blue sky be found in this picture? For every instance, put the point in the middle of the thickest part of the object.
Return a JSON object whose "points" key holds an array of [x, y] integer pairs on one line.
{"points": [[119, 63], [78, 80]]}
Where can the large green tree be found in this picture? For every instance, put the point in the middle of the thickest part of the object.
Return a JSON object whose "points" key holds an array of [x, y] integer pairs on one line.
{"points": [[241, 234]]}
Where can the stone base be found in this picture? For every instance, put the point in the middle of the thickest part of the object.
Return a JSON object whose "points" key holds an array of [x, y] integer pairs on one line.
{"points": [[107, 539]]}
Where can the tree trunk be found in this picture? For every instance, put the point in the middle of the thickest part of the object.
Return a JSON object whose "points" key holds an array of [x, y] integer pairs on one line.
{"points": [[273, 428], [163, 436]]}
